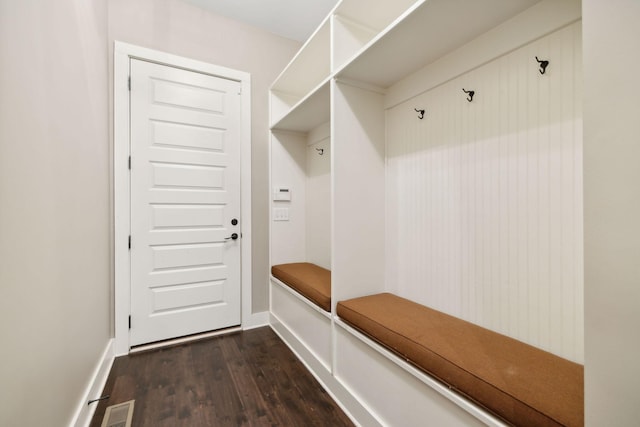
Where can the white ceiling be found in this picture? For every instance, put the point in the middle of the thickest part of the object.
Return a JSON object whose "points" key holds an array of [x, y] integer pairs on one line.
{"points": [[293, 19]]}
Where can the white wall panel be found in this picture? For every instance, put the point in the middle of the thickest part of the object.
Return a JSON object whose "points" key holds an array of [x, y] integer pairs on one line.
{"points": [[358, 169], [288, 238], [612, 209], [484, 198], [318, 206], [307, 323], [394, 394]]}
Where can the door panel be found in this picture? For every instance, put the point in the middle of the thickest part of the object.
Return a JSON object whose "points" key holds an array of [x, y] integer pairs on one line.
{"points": [[187, 136], [185, 190]]}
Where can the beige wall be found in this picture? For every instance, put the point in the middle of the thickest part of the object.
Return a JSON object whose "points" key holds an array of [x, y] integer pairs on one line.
{"points": [[612, 211], [54, 206], [55, 211], [179, 28]]}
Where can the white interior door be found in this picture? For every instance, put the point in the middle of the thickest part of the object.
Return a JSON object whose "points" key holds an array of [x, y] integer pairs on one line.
{"points": [[185, 202]]}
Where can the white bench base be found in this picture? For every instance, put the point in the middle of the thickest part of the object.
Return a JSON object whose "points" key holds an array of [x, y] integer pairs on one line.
{"points": [[372, 385]]}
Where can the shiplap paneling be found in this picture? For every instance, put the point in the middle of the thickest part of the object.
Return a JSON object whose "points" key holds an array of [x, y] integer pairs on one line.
{"points": [[484, 198], [318, 203]]}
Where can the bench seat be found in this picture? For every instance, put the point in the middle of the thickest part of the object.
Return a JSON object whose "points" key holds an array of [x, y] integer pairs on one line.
{"points": [[519, 383], [310, 280]]}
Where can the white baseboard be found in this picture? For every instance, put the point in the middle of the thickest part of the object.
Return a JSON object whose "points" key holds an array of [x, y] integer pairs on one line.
{"points": [[256, 320], [84, 412]]}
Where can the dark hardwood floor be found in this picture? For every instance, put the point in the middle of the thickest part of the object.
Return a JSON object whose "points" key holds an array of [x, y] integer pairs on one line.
{"points": [[248, 378]]}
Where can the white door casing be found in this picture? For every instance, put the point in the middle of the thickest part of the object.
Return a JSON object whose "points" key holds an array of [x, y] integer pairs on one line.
{"points": [[185, 202], [167, 217]]}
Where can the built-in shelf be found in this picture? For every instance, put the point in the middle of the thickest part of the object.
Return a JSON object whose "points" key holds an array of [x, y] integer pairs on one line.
{"points": [[306, 71], [309, 113], [356, 22], [337, 113], [426, 33], [348, 38], [374, 14]]}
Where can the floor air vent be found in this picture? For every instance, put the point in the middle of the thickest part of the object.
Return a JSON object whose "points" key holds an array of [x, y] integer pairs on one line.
{"points": [[119, 415]]}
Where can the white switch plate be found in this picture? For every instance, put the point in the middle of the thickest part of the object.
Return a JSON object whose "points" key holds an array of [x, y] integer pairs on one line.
{"points": [[281, 214]]}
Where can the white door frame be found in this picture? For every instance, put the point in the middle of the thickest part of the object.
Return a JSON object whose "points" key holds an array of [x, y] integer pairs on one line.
{"points": [[122, 209]]}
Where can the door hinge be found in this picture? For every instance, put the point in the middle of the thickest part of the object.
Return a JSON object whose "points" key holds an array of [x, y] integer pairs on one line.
{"points": [[129, 241], [129, 322], [129, 83], [129, 162]]}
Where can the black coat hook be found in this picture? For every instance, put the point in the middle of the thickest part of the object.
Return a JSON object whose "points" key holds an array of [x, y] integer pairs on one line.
{"points": [[320, 151], [470, 92], [543, 65], [420, 113]]}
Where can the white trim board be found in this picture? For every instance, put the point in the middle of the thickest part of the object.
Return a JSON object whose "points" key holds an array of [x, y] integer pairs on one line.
{"points": [[123, 52], [84, 412], [257, 320]]}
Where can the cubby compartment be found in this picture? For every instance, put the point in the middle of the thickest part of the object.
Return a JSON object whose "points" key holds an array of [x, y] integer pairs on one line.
{"points": [[496, 184], [301, 233], [308, 114], [357, 22], [301, 220], [304, 75]]}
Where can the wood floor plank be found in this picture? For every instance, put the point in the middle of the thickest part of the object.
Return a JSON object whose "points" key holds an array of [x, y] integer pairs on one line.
{"points": [[262, 360], [255, 409], [249, 378]]}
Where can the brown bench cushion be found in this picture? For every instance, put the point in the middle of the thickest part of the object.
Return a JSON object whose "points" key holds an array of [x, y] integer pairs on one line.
{"points": [[520, 383], [310, 280]]}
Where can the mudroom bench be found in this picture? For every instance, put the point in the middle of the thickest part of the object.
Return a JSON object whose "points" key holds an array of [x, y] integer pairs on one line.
{"points": [[300, 296], [520, 384], [310, 280]]}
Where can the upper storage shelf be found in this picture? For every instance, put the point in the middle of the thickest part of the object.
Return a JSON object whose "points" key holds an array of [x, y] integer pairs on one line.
{"points": [[356, 22], [425, 33], [308, 113], [306, 71]]}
